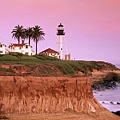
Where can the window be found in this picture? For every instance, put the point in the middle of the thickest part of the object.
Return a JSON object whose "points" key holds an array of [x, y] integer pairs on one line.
{"points": [[26, 53], [26, 46]]}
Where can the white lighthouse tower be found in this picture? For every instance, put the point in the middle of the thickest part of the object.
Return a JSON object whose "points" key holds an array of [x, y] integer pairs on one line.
{"points": [[60, 34]]}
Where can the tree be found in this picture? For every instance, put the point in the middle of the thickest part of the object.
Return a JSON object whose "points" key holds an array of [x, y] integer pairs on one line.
{"points": [[29, 33], [38, 34], [18, 32]]}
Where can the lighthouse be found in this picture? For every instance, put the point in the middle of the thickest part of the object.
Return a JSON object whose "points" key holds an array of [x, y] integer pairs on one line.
{"points": [[60, 34]]}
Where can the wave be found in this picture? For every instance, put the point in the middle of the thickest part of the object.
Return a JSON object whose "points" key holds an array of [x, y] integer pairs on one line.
{"points": [[110, 99]]}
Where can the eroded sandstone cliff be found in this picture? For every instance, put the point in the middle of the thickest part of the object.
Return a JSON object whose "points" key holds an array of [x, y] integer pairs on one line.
{"points": [[50, 96], [20, 94]]}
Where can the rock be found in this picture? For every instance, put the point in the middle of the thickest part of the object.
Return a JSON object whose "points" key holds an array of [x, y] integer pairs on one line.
{"points": [[103, 102], [118, 103], [117, 113], [106, 84], [111, 103]]}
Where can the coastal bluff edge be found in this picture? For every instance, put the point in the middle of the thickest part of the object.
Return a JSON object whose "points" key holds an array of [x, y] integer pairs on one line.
{"points": [[31, 94]]}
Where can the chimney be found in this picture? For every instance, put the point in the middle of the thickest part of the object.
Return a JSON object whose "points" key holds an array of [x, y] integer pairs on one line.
{"points": [[22, 41]]}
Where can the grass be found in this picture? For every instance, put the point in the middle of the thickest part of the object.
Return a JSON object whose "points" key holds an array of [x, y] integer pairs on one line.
{"points": [[8, 57], [66, 67], [6, 70]]}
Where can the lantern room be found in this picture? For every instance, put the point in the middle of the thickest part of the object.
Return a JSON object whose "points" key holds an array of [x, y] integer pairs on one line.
{"points": [[60, 30]]}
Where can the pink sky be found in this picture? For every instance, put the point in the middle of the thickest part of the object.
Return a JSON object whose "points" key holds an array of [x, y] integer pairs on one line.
{"points": [[92, 27]]}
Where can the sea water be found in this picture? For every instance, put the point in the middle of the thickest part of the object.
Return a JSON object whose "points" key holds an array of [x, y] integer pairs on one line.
{"points": [[118, 66], [110, 99]]}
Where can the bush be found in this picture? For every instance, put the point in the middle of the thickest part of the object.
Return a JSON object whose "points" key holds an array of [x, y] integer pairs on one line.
{"points": [[23, 57], [45, 57], [6, 70], [8, 57], [17, 54], [31, 58]]}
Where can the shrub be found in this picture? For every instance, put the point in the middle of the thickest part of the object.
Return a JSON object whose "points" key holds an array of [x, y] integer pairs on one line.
{"points": [[16, 54], [8, 57], [28, 58], [6, 70], [45, 57]]}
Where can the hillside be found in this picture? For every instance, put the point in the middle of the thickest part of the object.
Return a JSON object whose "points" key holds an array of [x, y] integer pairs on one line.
{"points": [[41, 65], [40, 87]]}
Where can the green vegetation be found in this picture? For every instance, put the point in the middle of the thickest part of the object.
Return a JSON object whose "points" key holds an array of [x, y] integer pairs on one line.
{"points": [[8, 58], [45, 57], [64, 67], [6, 70], [47, 63]]}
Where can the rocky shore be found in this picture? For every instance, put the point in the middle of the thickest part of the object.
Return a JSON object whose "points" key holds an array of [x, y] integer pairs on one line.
{"points": [[117, 113], [109, 84]]}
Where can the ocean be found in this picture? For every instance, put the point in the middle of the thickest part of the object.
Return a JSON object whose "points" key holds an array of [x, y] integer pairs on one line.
{"points": [[110, 99], [117, 65]]}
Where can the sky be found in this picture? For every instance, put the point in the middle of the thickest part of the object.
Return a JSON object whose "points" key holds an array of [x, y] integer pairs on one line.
{"points": [[92, 27]]}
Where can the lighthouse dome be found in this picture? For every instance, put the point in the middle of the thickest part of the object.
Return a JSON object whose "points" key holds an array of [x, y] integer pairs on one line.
{"points": [[60, 25], [60, 30]]}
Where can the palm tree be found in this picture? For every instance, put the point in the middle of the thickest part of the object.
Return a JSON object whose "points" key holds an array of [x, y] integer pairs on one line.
{"points": [[38, 34], [29, 33], [18, 32]]}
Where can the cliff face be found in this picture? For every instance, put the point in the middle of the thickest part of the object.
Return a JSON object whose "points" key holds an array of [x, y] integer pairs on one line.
{"points": [[19, 94]]}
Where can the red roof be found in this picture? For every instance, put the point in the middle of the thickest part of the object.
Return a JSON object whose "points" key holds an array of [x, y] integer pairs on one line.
{"points": [[49, 50], [18, 45]]}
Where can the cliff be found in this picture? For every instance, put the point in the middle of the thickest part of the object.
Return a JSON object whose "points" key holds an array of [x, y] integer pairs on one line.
{"points": [[53, 90], [49, 95]]}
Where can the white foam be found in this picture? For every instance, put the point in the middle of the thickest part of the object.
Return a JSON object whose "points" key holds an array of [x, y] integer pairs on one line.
{"points": [[109, 98]]}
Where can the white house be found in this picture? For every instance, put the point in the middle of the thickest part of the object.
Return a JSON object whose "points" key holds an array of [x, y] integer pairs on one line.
{"points": [[23, 48], [51, 52], [3, 49]]}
